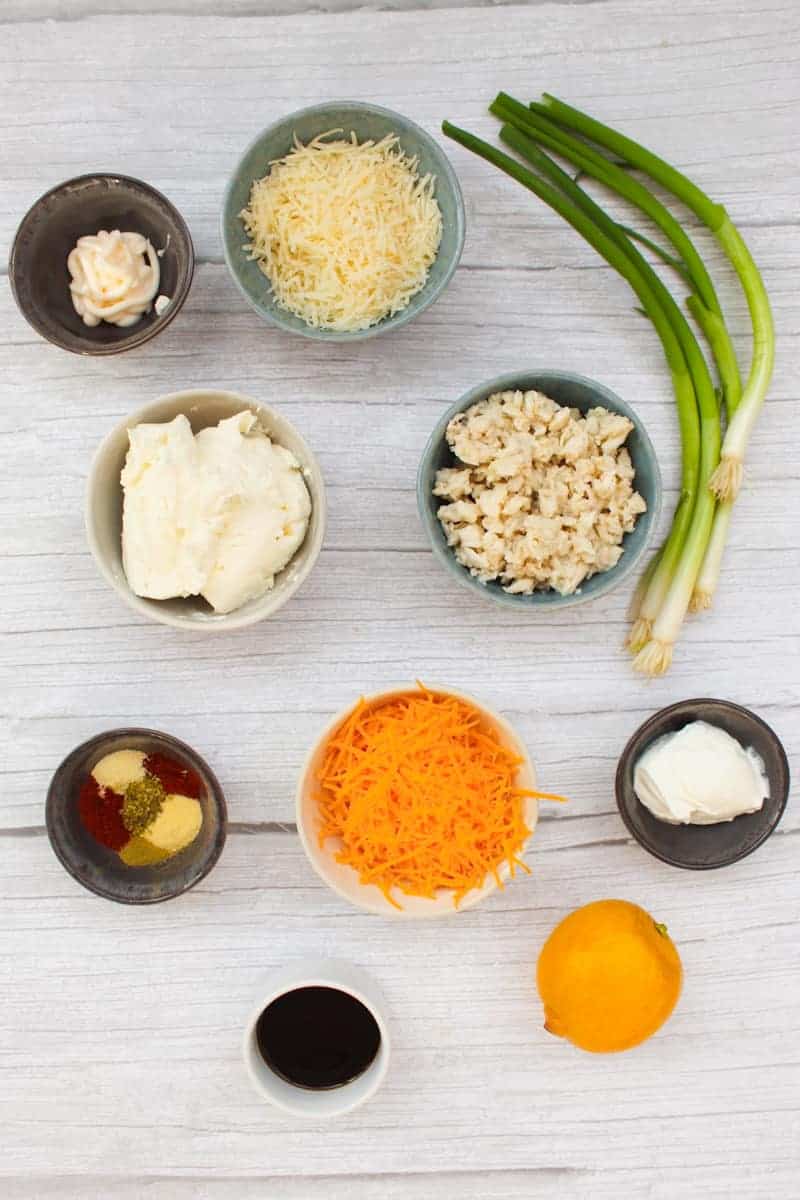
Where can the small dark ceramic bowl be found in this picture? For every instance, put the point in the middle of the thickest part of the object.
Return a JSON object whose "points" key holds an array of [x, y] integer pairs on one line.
{"points": [[703, 847], [48, 232], [573, 391], [101, 870]]}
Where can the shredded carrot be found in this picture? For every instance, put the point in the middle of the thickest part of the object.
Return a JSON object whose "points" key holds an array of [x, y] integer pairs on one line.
{"points": [[422, 795]]}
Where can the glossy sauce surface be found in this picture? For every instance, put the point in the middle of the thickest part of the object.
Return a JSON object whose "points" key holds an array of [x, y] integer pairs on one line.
{"points": [[317, 1037]]}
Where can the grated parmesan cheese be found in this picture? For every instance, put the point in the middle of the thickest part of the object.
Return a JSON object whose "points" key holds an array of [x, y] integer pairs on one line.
{"points": [[345, 232]]}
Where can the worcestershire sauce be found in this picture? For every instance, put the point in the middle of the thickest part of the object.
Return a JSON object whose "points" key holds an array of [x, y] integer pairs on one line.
{"points": [[317, 1037]]}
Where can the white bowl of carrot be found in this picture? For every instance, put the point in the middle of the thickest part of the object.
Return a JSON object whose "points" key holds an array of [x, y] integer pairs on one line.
{"points": [[417, 802]]}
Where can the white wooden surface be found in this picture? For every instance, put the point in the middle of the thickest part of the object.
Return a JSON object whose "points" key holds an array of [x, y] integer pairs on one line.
{"points": [[119, 1028]]}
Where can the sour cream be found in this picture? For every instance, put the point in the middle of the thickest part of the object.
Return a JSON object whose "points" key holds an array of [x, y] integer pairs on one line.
{"points": [[115, 277], [700, 776]]}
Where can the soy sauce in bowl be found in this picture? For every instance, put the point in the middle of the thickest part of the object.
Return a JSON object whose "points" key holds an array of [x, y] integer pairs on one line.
{"points": [[318, 1038]]}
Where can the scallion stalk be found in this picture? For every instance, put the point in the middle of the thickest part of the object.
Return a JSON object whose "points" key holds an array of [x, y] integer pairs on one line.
{"points": [[607, 247], [697, 441], [551, 135], [727, 478], [708, 579], [703, 305], [683, 355], [652, 592], [716, 334]]}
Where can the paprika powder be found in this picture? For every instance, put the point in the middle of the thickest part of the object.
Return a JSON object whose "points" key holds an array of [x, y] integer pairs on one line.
{"points": [[100, 812], [177, 780]]}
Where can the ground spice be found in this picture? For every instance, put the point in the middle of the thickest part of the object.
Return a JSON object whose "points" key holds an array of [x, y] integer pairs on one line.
{"points": [[177, 780], [141, 853], [101, 814]]}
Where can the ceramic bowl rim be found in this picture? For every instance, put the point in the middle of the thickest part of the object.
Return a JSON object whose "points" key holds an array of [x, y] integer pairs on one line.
{"points": [[216, 793], [646, 733], [138, 338], [538, 602], [237, 619], [387, 323], [477, 895]]}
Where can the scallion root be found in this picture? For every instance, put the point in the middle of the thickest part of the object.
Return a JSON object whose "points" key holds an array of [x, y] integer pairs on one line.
{"points": [[654, 658], [639, 635], [700, 601], [727, 479]]}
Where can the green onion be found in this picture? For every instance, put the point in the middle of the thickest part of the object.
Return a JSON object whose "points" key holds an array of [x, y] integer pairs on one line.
{"points": [[705, 308], [548, 134], [716, 334], [702, 440], [605, 245], [688, 262], [676, 263], [707, 580], [692, 383], [727, 478]]}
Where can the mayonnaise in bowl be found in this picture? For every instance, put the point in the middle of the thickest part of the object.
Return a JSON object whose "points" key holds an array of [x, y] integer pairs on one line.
{"points": [[115, 278]]}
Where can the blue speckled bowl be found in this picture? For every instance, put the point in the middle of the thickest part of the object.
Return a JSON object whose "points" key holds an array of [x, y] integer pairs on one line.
{"points": [[367, 121], [568, 389]]}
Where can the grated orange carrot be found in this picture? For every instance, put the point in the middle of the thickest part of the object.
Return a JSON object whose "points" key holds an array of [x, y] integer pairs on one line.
{"points": [[422, 795]]}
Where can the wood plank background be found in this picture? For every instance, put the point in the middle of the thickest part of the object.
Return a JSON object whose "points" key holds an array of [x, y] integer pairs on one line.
{"points": [[119, 1039]]}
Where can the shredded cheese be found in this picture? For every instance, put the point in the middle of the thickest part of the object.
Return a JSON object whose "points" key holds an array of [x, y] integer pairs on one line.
{"points": [[345, 232], [422, 795]]}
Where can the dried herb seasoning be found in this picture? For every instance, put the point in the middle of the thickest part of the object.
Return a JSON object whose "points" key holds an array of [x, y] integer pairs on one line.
{"points": [[142, 803]]}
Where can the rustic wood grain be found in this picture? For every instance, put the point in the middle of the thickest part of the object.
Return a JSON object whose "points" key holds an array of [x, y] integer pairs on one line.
{"points": [[75, 10], [119, 1039]]}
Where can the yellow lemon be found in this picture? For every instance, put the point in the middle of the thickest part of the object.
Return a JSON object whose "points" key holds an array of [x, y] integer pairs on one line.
{"points": [[609, 976]]}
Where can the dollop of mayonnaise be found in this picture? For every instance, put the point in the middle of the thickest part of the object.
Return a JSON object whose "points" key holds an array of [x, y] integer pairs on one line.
{"points": [[700, 776], [216, 514], [115, 277]]}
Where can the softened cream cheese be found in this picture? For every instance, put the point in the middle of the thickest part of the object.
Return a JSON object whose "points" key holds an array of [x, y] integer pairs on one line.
{"points": [[115, 277], [217, 514], [700, 776]]}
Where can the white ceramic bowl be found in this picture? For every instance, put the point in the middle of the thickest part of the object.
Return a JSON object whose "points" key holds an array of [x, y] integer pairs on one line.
{"points": [[306, 1102], [104, 510], [344, 879]]}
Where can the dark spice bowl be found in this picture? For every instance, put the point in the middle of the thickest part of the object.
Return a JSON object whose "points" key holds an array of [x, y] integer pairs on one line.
{"points": [[82, 206], [704, 847], [101, 870]]}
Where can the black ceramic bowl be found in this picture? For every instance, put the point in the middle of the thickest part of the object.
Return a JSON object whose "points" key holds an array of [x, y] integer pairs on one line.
{"points": [[101, 870], [50, 229], [703, 847]]}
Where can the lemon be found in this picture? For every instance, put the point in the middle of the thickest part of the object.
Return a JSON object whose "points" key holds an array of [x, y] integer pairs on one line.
{"points": [[609, 976]]}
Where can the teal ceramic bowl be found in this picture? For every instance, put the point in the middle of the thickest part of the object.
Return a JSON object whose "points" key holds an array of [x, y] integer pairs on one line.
{"points": [[366, 121], [574, 391]]}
